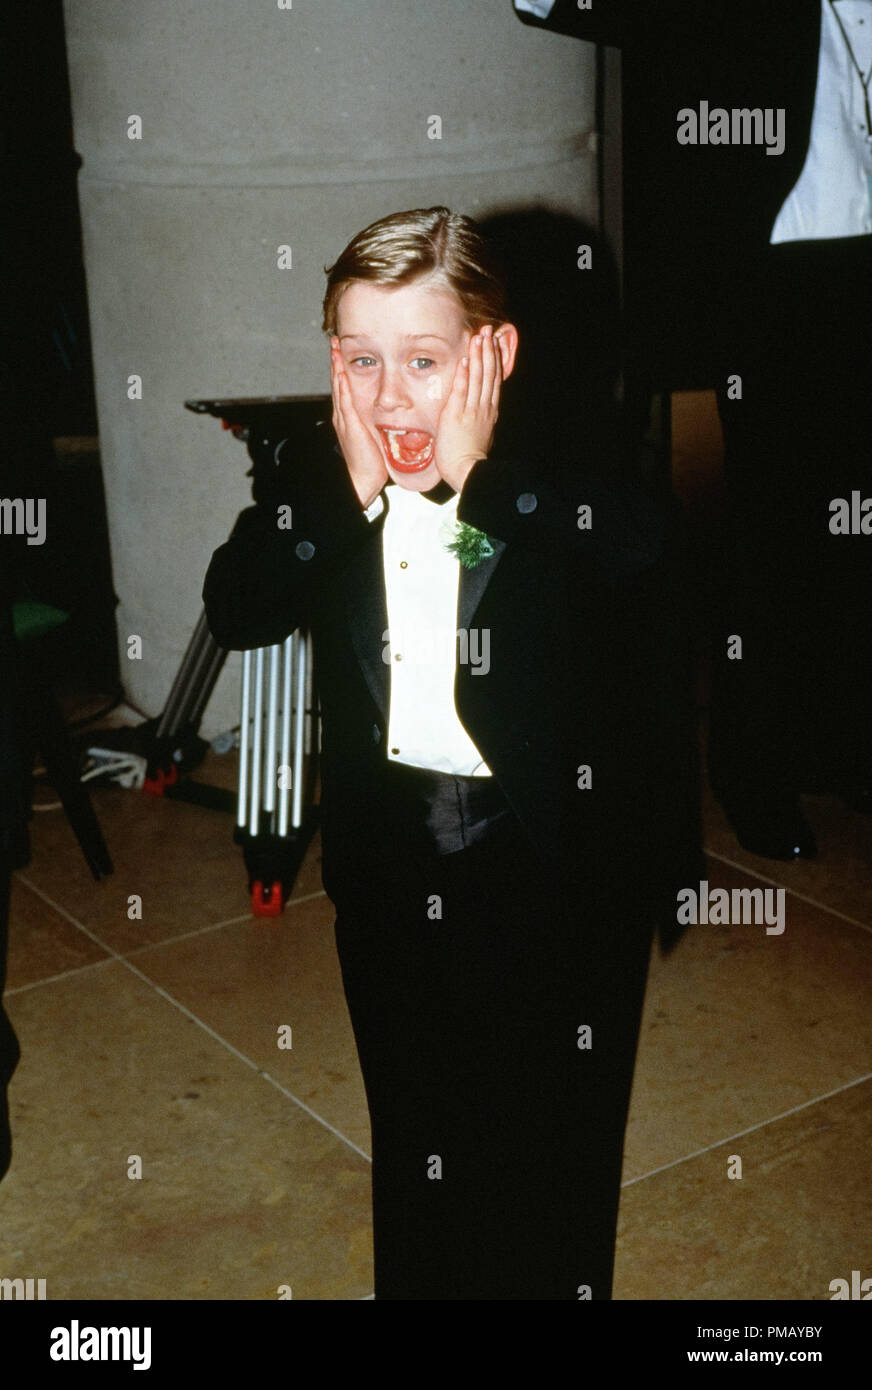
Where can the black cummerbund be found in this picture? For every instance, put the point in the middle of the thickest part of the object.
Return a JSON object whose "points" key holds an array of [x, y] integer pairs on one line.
{"points": [[441, 812]]}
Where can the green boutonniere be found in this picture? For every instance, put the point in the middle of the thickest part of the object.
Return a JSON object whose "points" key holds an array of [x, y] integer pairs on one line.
{"points": [[469, 545]]}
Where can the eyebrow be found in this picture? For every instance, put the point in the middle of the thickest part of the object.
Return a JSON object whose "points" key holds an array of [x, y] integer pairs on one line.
{"points": [[409, 337]]}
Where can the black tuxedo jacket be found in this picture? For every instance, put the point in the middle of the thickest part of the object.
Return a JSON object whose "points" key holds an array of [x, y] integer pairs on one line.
{"points": [[697, 218], [588, 660]]}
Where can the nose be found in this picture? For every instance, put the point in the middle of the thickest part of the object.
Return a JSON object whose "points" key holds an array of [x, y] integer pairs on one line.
{"points": [[392, 390]]}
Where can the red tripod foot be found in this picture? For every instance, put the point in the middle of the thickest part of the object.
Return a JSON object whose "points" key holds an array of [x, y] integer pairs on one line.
{"points": [[163, 777], [270, 905]]}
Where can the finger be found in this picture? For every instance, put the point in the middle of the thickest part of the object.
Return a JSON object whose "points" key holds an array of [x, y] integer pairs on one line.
{"points": [[351, 421], [460, 384], [473, 393], [337, 378], [346, 405], [498, 371], [336, 365], [488, 364], [374, 436]]}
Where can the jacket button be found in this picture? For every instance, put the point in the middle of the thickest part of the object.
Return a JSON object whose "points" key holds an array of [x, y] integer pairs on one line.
{"points": [[376, 734], [305, 550], [527, 502]]}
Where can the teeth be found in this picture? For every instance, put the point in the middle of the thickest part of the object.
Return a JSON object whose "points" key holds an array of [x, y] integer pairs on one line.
{"points": [[392, 436]]}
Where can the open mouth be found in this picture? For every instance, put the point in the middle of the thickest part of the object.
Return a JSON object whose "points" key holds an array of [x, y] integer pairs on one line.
{"points": [[408, 451]]}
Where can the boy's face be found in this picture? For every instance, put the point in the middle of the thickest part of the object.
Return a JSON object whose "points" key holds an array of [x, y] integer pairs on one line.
{"points": [[400, 346]]}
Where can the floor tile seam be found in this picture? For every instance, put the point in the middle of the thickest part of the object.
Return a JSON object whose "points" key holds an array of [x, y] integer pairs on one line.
{"points": [[185, 935], [109, 959], [54, 979], [64, 912], [801, 897], [249, 1062], [740, 1134], [201, 1023], [149, 945], [215, 926]]}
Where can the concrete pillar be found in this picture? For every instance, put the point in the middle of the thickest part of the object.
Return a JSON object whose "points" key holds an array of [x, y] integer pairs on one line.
{"points": [[266, 124]]}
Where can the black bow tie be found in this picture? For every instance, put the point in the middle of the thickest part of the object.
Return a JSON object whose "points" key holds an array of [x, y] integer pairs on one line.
{"points": [[442, 492]]}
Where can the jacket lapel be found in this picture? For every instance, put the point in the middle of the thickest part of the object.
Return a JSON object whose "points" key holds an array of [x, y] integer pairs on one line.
{"points": [[367, 615], [473, 584]]}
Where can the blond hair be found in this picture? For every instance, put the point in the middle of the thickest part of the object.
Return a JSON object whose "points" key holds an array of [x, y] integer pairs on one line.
{"points": [[446, 246]]}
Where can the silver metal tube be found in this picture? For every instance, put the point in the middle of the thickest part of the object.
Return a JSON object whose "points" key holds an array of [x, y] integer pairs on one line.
{"points": [[205, 655], [285, 755], [207, 685], [256, 743], [309, 686], [272, 715], [301, 645], [313, 745], [244, 741], [167, 723]]}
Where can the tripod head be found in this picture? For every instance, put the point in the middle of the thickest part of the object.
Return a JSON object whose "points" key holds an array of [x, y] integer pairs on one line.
{"points": [[277, 430]]}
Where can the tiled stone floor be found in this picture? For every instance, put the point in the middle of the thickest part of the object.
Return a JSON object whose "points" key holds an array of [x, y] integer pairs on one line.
{"points": [[158, 1038]]}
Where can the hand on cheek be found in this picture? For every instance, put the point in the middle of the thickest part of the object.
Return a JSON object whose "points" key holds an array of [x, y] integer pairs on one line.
{"points": [[362, 453], [469, 415]]}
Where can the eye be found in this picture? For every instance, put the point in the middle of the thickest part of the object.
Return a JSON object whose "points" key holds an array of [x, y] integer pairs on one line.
{"points": [[428, 361], [356, 360]]}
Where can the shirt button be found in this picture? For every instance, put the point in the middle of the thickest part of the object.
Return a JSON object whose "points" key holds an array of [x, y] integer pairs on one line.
{"points": [[527, 502], [404, 565], [305, 550], [395, 750]]}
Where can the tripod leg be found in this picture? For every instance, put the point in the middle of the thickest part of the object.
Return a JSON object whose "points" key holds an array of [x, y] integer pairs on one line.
{"points": [[270, 765], [208, 685], [167, 723], [50, 736], [194, 684], [244, 742], [301, 648], [285, 790], [256, 744]]}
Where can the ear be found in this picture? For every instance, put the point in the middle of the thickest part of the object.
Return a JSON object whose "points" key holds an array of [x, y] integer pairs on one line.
{"points": [[507, 336]]}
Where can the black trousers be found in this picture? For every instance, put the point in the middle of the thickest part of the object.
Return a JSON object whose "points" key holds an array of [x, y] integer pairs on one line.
{"points": [[794, 713], [496, 1138]]}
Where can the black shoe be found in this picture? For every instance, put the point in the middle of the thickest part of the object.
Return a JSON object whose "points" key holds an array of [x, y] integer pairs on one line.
{"points": [[774, 829]]}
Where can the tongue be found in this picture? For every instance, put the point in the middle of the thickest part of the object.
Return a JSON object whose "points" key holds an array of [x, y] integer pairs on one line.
{"points": [[412, 443]]}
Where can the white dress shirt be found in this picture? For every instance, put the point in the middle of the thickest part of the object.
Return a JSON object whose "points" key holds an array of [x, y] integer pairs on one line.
{"points": [[833, 195], [421, 583]]}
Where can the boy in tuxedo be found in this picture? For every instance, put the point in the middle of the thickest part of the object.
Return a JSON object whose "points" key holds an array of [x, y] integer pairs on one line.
{"points": [[499, 671]]}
